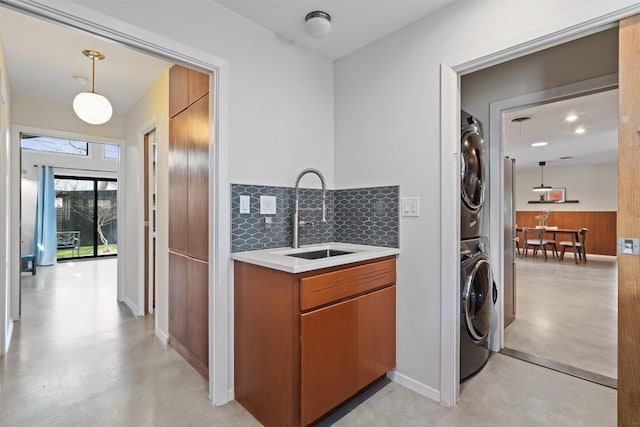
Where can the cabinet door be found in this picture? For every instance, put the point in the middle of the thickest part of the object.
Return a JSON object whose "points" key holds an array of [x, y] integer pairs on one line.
{"points": [[178, 89], [376, 335], [198, 317], [329, 358], [198, 85], [178, 182], [178, 301], [198, 179]]}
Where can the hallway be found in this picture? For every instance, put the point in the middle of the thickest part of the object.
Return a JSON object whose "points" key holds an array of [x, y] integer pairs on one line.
{"points": [[78, 358]]}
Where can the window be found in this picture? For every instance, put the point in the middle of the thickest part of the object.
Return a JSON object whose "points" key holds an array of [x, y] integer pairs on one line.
{"points": [[110, 151], [54, 145]]}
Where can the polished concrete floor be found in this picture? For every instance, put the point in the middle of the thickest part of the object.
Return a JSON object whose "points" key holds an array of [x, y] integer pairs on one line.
{"points": [[567, 313], [78, 358]]}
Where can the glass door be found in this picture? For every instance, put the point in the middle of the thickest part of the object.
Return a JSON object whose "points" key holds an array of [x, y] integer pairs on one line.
{"points": [[86, 214]]}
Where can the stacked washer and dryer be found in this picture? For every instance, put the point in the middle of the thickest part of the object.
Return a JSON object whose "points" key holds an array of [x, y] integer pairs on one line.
{"points": [[478, 291]]}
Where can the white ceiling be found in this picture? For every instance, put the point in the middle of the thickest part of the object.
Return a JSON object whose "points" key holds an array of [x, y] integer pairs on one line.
{"points": [[597, 113], [43, 57], [355, 23]]}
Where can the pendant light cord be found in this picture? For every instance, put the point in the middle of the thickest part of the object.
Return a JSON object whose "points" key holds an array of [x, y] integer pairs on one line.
{"points": [[93, 74]]}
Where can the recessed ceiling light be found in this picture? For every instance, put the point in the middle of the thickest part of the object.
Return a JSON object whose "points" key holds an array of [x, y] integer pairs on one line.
{"points": [[579, 130], [539, 144], [571, 118]]}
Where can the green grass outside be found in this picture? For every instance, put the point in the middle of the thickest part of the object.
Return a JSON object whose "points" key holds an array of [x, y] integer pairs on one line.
{"points": [[86, 251]]}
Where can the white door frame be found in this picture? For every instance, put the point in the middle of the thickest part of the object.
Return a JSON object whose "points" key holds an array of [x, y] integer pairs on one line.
{"points": [[220, 381], [451, 70], [496, 173]]}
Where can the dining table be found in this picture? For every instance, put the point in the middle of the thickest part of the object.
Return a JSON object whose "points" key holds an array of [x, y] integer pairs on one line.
{"points": [[572, 233]]}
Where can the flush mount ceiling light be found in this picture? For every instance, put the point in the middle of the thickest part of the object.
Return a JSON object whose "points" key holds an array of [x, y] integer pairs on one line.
{"points": [[539, 144], [579, 130], [318, 24], [571, 118], [92, 107], [541, 187]]}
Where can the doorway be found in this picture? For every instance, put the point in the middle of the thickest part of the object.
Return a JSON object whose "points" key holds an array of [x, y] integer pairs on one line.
{"points": [[483, 90], [565, 315]]}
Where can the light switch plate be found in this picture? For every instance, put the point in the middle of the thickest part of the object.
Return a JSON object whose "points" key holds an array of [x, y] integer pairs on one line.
{"points": [[410, 206], [245, 204], [268, 205], [628, 245]]}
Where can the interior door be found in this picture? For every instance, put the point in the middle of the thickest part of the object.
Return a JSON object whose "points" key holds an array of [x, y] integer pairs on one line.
{"points": [[628, 224]]}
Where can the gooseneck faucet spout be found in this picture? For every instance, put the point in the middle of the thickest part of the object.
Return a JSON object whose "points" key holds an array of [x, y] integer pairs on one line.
{"points": [[296, 220]]}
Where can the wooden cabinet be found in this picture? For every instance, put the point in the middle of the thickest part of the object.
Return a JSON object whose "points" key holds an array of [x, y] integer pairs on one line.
{"points": [[178, 182], [186, 87], [189, 131], [316, 337]]}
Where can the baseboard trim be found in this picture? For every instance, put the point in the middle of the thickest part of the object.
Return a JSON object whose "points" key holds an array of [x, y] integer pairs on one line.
{"points": [[7, 337], [162, 336], [414, 385], [131, 305]]}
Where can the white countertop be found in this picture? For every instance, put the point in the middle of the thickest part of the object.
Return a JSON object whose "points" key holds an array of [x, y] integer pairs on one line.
{"points": [[278, 260]]}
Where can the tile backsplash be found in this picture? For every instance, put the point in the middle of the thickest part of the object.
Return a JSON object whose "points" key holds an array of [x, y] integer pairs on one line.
{"points": [[362, 215]]}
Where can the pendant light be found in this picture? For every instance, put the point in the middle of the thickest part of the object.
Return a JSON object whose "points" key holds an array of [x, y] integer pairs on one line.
{"points": [[542, 187], [92, 107]]}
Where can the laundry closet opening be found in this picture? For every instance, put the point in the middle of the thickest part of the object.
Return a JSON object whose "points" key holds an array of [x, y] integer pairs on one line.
{"points": [[555, 311]]}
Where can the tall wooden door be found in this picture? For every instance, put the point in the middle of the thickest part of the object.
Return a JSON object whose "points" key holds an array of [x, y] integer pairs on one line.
{"points": [[629, 223]]}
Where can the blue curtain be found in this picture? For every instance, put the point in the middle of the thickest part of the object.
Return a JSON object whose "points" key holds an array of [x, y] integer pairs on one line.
{"points": [[45, 246]]}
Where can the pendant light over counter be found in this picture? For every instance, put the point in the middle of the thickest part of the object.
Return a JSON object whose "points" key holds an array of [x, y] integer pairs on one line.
{"points": [[92, 107]]}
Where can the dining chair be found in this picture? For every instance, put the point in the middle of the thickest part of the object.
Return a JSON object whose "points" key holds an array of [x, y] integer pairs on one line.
{"points": [[552, 243], [533, 239], [580, 246]]}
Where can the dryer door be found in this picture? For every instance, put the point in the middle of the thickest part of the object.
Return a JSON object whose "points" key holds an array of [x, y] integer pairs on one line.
{"points": [[472, 175], [477, 301]]}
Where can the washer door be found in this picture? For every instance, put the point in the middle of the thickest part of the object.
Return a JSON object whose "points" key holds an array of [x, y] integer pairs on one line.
{"points": [[477, 301], [472, 168]]}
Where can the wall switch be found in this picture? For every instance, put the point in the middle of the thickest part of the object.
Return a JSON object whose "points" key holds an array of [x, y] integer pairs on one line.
{"points": [[268, 205], [628, 246], [410, 206], [245, 204]]}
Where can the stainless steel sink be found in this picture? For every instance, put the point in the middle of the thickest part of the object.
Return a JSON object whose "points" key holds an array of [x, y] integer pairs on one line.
{"points": [[317, 254]]}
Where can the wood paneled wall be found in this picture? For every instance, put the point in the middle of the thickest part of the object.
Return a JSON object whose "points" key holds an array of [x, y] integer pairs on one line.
{"points": [[602, 226]]}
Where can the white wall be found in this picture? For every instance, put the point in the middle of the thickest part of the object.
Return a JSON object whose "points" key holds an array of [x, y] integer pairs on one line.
{"points": [[150, 112], [63, 165], [595, 186], [387, 130], [44, 114]]}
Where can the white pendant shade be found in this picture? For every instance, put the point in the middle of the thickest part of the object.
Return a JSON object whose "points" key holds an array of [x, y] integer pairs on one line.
{"points": [[92, 107]]}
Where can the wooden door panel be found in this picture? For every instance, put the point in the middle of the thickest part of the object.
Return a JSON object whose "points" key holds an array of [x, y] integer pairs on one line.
{"points": [[178, 89], [376, 335], [178, 299], [198, 179], [178, 183], [198, 85], [629, 223], [329, 359], [198, 315]]}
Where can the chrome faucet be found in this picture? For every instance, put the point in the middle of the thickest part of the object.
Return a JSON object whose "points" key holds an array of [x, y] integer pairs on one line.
{"points": [[296, 220]]}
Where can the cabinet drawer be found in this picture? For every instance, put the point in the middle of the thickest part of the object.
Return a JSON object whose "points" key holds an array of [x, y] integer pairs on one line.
{"points": [[325, 288]]}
